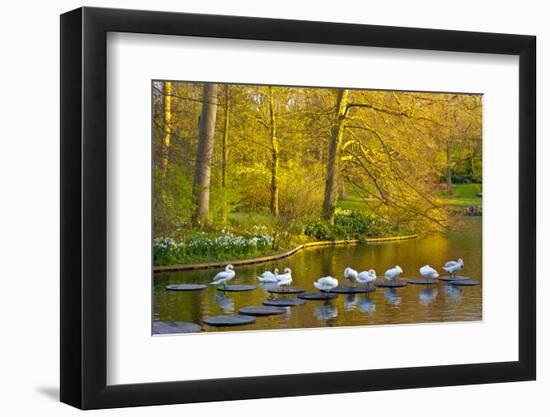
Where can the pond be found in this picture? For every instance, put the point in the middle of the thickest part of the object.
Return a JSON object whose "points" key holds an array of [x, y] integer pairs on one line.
{"points": [[412, 304]]}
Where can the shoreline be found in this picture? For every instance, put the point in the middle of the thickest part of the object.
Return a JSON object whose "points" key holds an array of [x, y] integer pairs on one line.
{"points": [[217, 264]]}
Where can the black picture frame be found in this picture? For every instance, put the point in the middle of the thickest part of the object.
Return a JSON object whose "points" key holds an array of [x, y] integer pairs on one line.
{"points": [[84, 207]]}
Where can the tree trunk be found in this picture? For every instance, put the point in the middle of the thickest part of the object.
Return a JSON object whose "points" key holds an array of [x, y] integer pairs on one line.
{"points": [[274, 206], [449, 170], [329, 203], [201, 186], [166, 139], [167, 126], [341, 188], [225, 152]]}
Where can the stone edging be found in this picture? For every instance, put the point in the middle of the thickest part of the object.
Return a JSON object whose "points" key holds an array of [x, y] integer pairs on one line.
{"points": [[218, 264]]}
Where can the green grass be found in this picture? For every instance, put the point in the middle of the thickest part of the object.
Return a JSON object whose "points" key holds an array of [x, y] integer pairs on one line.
{"points": [[245, 221], [460, 202], [464, 195], [353, 201], [242, 223], [466, 191], [355, 205]]}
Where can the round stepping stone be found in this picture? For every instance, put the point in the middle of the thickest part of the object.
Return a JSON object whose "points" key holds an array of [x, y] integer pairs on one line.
{"points": [[170, 327], [287, 290], [354, 290], [262, 310], [464, 283], [391, 284], [227, 320], [236, 288], [283, 302], [422, 281], [450, 278], [317, 296], [185, 287]]}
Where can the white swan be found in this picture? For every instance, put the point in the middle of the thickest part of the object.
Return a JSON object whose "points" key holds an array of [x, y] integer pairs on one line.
{"points": [[452, 267], [350, 274], [284, 280], [326, 284], [367, 277], [282, 277], [269, 277], [224, 276], [393, 273], [428, 272]]}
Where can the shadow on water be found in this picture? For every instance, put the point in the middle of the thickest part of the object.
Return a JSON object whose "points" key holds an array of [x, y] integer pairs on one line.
{"points": [[412, 304]]}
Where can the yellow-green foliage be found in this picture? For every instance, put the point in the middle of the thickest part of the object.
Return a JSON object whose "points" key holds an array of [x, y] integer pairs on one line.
{"points": [[395, 153]]}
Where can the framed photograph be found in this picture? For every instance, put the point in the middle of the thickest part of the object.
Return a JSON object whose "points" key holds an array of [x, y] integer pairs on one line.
{"points": [[259, 208]]}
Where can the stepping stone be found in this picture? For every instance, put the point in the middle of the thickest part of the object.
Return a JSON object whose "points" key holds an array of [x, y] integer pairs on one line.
{"points": [[262, 310], [227, 320], [464, 283], [450, 278], [284, 302], [354, 290], [185, 287], [422, 281], [391, 284], [287, 290], [317, 296], [236, 288], [171, 327]]}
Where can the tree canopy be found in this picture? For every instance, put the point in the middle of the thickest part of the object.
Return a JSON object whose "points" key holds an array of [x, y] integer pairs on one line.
{"points": [[291, 155]]}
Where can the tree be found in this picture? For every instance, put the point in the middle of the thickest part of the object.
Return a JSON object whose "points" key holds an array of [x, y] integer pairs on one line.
{"points": [[391, 138], [282, 157], [329, 203], [167, 126], [167, 100], [225, 145], [274, 201], [225, 152], [454, 119], [205, 148]]}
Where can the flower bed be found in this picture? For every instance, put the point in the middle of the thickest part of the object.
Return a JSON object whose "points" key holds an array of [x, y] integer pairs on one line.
{"points": [[200, 247]]}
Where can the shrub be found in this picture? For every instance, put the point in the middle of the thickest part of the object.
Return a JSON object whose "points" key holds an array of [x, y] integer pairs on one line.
{"points": [[347, 225], [318, 229]]}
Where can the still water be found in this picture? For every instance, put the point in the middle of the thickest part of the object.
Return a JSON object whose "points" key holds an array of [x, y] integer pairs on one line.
{"points": [[412, 304]]}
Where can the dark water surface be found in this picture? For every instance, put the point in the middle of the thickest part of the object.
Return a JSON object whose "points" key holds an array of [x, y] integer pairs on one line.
{"points": [[413, 304]]}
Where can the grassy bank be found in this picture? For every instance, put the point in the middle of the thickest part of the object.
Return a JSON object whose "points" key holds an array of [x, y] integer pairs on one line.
{"points": [[463, 195], [248, 235]]}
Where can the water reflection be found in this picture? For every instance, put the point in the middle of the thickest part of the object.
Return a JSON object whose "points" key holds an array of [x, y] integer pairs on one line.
{"points": [[288, 312], [226, 303], [453, 292], [427, 296], [350, 301], [390, 294], [383, 306], [326, 313], [366, 305]]}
